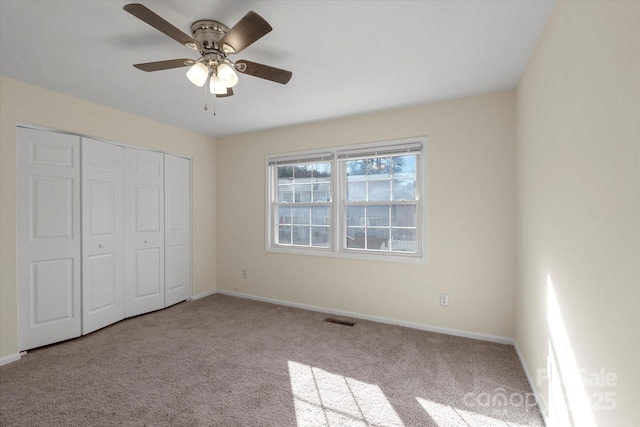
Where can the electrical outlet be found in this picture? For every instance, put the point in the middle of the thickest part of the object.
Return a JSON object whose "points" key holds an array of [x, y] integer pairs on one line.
{"points": [[444, 299], [244, 274]]}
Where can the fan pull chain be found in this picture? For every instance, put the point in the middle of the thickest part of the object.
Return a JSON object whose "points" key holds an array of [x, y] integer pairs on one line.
{"points": [[205, 97], [206, 87], [214, 74], [214, 105]]}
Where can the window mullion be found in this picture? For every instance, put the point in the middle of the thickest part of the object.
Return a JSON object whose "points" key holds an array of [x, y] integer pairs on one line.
{"points": [[340, 211]]}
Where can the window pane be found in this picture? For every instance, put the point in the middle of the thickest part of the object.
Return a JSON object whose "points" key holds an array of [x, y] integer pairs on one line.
{"points": [[404, 166], [285, 196], [302, 192], [284, 214], [378, 216], [300, 235], [356, 191], [320, 237], [355, 216], [356, 169], [379, 167], [355, 238], [322, 192], [404, 189], [320, 215], [285, 193], [379, 190], [403, 240], [285, 173], [403, 215], [303, 171], [300, 216], [284, 235], [378, 239], [322, 171]]}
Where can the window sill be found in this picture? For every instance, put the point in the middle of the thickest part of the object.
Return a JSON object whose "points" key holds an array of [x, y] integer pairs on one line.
{"points": [[401, 258]]}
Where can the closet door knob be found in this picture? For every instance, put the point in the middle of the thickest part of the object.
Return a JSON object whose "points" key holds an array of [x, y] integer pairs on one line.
{"points": [[101, 245], [146, 241]]}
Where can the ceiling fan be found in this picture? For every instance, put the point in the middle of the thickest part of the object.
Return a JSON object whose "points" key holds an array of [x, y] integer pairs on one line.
{"points": [[215, 42]]}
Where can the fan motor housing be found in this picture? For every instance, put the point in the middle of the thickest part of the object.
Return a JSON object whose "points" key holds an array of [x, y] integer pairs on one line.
{"points": [[208, 32]]}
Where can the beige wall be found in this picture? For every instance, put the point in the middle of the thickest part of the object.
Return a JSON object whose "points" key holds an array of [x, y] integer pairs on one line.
{"points": [[24, 103], [579, 200], [471, 220]]}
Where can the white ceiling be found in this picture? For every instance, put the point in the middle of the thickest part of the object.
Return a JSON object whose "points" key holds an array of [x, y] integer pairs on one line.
{"points": [[347, 57]]}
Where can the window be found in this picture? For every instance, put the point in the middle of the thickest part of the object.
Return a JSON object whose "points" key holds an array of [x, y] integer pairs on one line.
{"points": [[381, 203], [303, 207], [362, 201]]}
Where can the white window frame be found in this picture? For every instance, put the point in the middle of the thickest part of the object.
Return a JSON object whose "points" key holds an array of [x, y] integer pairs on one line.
{"points": [[293, 159], [337, 245]]}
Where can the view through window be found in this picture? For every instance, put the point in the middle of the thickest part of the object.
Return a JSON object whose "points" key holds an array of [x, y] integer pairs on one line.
{"points": [[363, 199]]}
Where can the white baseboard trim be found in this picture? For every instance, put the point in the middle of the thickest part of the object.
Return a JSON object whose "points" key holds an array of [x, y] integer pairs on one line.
{"points": [[9, 359], [532, 385], [204, 294], [420, 326]]}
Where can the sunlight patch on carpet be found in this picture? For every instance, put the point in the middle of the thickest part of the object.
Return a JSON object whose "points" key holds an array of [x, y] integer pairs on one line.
{"points": [[323, 398], [447, 416]]}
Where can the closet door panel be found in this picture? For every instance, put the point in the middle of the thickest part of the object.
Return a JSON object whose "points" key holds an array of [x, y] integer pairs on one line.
{"points": [[48, 237], [102, 232], [147, 209], [144, 231], [102, 285], [147, 268], [177, 229], [175, 268]]}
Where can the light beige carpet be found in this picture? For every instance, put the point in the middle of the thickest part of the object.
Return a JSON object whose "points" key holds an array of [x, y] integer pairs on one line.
{"points": [[225, 361]]}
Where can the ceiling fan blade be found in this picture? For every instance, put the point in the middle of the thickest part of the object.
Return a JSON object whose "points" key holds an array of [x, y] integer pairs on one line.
{"points": [[224, 95], [249, 29], [267, 72], [145, 14], [165, 65]]}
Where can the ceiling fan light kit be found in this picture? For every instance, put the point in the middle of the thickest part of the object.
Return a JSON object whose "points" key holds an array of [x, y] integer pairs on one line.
{"points": [[216, 86], [198, 74], [227, 75], [215, 41]]}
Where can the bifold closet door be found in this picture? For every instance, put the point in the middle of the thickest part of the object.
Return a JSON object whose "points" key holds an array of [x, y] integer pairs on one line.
{"points": [[102, 235], [177, 236], [144, 231], [48, 237]]}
